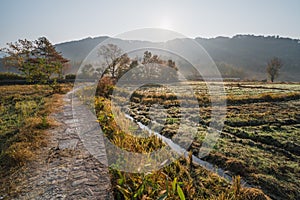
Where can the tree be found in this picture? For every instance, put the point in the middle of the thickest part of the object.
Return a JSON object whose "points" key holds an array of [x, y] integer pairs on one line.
{"points": [[18, 55], [37, 60], [273, 68], [152, 68], [170, 72], [156, 68], [53, 61], [124, 65], [110, 53], [87, 71]]}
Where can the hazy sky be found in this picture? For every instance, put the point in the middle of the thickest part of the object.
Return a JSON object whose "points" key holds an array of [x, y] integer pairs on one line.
{"points": [[65, 20]]}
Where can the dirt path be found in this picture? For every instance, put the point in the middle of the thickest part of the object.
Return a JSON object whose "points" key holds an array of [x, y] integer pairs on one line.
{"points": [[65, 169]]}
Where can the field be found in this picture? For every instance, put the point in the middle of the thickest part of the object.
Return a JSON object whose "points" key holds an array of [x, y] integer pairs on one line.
{"points": [[24, 117], [181, 179], [260, 140]]}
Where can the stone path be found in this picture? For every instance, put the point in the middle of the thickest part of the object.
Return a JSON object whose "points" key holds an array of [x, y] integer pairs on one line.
{"points": [[67, 169]]}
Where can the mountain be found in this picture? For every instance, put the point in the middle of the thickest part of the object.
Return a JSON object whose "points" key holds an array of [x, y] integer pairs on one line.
{"points": [[251, 53], [243, 56], [78, 50]]}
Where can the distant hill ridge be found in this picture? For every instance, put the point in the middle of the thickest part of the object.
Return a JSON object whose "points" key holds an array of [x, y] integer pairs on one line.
{"points": [[241, 54]]}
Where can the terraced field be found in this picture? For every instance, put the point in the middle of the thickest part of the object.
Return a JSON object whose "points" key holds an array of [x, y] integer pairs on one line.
{"points": [[260, 139]]}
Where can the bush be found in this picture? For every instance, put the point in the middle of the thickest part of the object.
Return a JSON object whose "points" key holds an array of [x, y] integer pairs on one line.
{"points": [[10, 76], [105, 87], [70, 76]]}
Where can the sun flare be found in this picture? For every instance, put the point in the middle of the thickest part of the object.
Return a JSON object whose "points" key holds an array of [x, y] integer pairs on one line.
{"points": [[165, 23]]}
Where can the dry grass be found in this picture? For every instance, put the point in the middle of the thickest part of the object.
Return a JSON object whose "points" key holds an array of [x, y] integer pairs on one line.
{"points": [[179, 180], [120, 133], [25, 117], [260, 138]]}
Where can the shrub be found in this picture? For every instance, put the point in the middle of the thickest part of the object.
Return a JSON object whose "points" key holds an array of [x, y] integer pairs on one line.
{"points": [[11, 76], [105, 86], [70, 76]]}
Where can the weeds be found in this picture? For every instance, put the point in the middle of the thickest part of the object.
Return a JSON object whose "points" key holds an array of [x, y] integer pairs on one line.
{"points": [[260, 136], [179, 180], [24, 117]]}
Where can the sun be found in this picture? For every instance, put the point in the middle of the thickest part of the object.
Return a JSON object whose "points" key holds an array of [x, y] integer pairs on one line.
{"points": [[165, 23]]}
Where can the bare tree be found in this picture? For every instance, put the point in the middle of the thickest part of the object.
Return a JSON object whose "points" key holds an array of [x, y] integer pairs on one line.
{"points": [[110, 53], [273, 68]]}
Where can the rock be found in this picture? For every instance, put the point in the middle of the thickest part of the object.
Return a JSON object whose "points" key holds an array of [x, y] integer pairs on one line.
{"points": [[89, 192], [68, 144], [94, 178], [92, 183], [79, 182], [75, 192], [79, 174]]}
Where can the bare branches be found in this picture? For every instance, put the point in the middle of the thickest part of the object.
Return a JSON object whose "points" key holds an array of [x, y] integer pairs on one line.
{"points": [[111, 54], [273, 68]]}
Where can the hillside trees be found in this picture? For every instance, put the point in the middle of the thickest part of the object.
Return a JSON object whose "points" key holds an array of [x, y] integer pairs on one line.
{"points": [[37, 60], [230, 71]]}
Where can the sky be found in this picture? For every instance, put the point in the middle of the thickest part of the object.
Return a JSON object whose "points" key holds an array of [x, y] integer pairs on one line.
{"points": [[67, 20]]}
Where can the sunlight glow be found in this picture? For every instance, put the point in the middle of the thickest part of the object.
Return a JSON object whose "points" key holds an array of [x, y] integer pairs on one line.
{"points": [[165, 23]]}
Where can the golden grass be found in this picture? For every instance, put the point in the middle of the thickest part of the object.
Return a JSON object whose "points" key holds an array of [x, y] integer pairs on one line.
{"points": [[179, 180], [119, 133], [29, 108]]}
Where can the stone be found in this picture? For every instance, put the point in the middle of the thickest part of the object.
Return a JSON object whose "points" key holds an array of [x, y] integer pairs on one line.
{"points": [[89, 192], [92, 183], [79, 174], [69, 171], [79, 182], [68, 144]]}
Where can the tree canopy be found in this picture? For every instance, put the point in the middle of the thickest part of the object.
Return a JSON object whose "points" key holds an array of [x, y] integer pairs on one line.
{"points": [[37, 60], [151, 67]]}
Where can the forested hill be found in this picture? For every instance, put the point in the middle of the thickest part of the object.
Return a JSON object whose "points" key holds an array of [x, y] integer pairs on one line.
{"points": [[251, 53], [243, 56]]}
